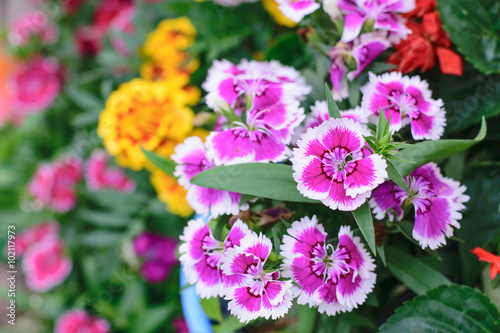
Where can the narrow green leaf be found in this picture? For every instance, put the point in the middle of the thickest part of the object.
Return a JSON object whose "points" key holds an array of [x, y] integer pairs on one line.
{"points": [[381, 252], [100, 238], [406, 229], [396, 177], [229, 325], [211, 307], [230, 115], [333, 109], [363, 218], [104, 219], [446, 309], [166, 165], [381, 124], [273, 181], [429, 151], [307, 319], [416, 275], [152, 318]]}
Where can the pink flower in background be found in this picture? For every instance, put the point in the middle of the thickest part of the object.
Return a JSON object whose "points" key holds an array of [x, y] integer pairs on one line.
{"points": [[319, 114], [258, 293], [34, 235], [158, 253], [361, 51], [437, 201], [108, 10], [331, 165], [99, 176], [192, 158], [45, 265], [201, 256], [53, 184], [386, 15], [295, 10], [333, 279], [31, 25], [88, 40], [79, 321], [407, 100], [35, 84], [180, 325]]}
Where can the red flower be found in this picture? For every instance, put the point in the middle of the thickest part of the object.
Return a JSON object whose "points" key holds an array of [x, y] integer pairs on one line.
{"points": [[494, 260], [427, 41], [88, 40]]}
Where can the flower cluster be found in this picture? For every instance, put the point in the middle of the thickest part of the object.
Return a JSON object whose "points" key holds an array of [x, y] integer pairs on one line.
{"points": [[332, 165], [158, 253], [437, 201], [99, 176], [53, 184], [192, 158], [42, 251], [406, 100], [32, 25], [427, 40], [80, 321], [240, 269], [260, 106]]}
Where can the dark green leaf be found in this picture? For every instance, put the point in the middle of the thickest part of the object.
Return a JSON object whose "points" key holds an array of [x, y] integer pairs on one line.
{"points": [[406, 229], [354, 93], [104, 219], [307, 319], [211, 307], [274, 181], [363, 217], [333, 109], [445, 309], [151, 318], [381, 252], [473, 26], [101, 238], [428, 151], [396, 177], [166, 165], [416, 275]]}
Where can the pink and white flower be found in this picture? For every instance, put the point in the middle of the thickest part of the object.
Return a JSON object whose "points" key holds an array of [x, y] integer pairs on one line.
{"points": [[333, 279], [259, 293], [201, 256], [386, 15], [296, 10], [35, 85], [437, 200], [407, 100], [158, 253], [45, 265], [232, 3], [30, 25], [192, 158], [361, 51], [332, 165], [99, 176], [34, 235], [75, 321]]}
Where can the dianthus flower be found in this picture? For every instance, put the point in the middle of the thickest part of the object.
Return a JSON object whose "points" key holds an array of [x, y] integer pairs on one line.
{"points": [[171, 193], [258, 293], [143, 114], [99, 176], [108, 10], [88, 40], [385, 15], [296, 10], [32, 25], [192, 158], [35, 84], [53, 184], [201, 256], [427, 40], [407, 100], [437, 201], [494, 260], [34, 235], [45, 265], [75, 321], [331, 165], [272, 8], [265, 97], [333, 279], [158, 253], [360, 52]]}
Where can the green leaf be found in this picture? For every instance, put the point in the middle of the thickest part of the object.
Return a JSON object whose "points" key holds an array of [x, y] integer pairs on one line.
{"points": [[406, 229], [211, 307], [273, 181], [151, 319], [429, 151], [101, 238], [104, 219], [396, 177], [446, 309], [307, 319], [166, 165], [416, 275], [354, 93], [473, 26], [229, 325], [363, 218], [382, 121], [333, 109]]}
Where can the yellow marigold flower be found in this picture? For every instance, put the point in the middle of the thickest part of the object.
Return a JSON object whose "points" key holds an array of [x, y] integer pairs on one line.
{"points": [[171, 193], [144, 114], [170, 37], [272, 8]]}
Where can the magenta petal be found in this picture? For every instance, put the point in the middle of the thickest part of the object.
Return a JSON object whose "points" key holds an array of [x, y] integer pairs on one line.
{"points": [[384, 198], [365, 54], [233, 144], [227, 90], [431, 224], [307, 274], [337, 71], [312, 180], [247, 300], [353, 22], [267, 148], [364, 174], [208, 269]]}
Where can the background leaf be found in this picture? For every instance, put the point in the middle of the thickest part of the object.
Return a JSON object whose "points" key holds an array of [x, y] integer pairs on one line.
{"points": [[363, 217], [166, 165]]}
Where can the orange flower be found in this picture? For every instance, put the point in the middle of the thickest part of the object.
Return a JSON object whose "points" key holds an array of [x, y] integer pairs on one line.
{"points": [[494, 260]]}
